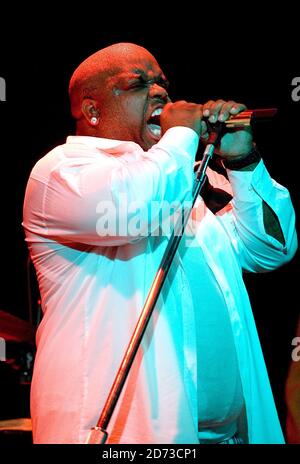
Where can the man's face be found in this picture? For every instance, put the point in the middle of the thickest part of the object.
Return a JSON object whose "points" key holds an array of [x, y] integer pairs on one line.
{"points": [[130, 99]]}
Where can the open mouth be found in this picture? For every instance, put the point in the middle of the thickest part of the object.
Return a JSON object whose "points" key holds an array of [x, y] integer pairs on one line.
{"points": [[153, 123]]}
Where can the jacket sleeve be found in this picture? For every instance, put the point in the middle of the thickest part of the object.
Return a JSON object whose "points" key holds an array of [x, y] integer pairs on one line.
{"points": [[258, 251], [108, 201]]}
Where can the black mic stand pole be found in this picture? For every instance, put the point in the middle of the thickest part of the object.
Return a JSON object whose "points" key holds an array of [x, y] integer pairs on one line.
{"points": [[98, 434]]}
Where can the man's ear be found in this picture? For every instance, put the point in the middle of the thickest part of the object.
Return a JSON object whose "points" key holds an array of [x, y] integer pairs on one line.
{"points": [[90, 111]]}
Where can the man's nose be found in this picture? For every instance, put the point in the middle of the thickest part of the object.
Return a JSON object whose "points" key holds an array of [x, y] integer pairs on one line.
{"points": [[157, 91]]}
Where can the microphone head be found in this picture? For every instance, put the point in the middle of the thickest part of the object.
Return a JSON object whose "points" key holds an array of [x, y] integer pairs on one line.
{"points": [[246, 117]]}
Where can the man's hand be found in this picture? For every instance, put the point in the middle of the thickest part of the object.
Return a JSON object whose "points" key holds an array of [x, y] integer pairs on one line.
{"points": [[182, 113], [237, 142]]}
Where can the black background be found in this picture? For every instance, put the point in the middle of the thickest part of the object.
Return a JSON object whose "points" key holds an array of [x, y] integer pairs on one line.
{"points": [[252, 59]]}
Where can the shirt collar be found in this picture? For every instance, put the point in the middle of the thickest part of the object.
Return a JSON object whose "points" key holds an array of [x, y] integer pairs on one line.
{"points": [[109, 145]]}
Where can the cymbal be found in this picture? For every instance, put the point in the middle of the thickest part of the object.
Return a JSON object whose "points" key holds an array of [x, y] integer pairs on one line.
{"points": [[14, 329]]}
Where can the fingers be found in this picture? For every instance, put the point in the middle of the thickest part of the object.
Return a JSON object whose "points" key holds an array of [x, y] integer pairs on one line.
{"points": [[195, 116], [204, 134], [182, 113], [220, 110]]}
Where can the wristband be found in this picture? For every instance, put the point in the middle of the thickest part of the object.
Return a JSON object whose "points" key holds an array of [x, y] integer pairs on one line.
{"points": [[235, 164]]}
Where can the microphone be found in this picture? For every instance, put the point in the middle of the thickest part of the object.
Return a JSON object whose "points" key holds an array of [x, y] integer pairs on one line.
{"points": [[245, 118]]}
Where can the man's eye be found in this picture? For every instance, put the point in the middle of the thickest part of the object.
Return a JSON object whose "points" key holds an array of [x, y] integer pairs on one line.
{"points": [[141, 83], [136, 85]]}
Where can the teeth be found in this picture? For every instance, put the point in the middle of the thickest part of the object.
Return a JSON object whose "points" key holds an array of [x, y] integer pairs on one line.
{"points": [[156, 130], [156, 112]]}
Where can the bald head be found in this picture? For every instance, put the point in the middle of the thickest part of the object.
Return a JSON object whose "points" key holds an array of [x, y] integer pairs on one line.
{"points": [[91, 75], [114, 92]]}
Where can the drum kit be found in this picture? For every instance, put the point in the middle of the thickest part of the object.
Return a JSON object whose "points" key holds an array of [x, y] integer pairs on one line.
{"points": [[17, 350]]}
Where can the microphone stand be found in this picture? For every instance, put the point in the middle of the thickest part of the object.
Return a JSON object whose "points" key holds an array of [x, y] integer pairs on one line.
{"points": [[98, 434]]}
